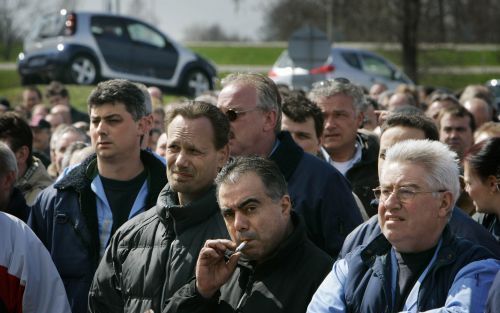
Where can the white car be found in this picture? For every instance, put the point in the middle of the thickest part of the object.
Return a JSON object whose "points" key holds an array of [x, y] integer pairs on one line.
{"points": [[360, 66]]}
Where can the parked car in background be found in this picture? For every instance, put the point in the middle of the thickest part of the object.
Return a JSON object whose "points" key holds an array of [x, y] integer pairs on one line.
{"points": [[359, 66], [85, 47], [494, 85]]}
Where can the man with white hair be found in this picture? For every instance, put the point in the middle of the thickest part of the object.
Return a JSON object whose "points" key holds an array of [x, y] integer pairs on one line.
{"points": [[417, 263]]}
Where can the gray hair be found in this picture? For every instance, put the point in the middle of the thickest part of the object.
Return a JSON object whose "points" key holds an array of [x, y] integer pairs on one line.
{"points": [[440, 162], [268, 96], [266, 170], [330, 88], [8, 162], [63, 129]]}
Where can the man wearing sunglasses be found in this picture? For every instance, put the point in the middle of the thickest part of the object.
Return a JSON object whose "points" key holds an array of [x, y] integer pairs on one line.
{"points": [[417, 264], [319, 193]]}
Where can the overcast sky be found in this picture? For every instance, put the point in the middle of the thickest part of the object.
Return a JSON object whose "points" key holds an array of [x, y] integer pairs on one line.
{"points": [[175, 16]]}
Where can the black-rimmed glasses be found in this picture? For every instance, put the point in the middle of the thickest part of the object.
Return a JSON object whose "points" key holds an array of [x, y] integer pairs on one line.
{"points": [[232, 114], [403, 194]]}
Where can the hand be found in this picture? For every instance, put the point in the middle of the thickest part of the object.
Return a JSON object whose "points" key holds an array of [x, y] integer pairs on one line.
{"points": [[212, 271]]}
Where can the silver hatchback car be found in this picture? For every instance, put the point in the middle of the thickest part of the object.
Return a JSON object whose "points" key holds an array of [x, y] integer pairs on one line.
{"points": [[85, 47], [360, 66]]}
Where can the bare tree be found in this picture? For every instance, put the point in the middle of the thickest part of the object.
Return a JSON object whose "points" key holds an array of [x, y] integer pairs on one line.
{"points": [[15, 15]]}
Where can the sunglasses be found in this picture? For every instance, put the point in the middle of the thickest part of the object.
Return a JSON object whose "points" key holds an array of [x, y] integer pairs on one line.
{"points": [[232, 114], [329, 82]]}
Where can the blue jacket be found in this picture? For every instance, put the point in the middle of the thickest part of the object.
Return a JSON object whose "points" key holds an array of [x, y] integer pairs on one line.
{"points": [[493, 302], [66, 216], [457, 279], [320, 193], [460, 224]]}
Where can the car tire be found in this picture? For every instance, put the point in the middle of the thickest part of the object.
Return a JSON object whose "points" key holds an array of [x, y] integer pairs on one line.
{"points": [[196, 82], [83, 70]]}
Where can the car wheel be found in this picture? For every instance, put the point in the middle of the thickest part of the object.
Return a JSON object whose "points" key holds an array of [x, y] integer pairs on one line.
{"points": [[196, 82], [83, 70]]}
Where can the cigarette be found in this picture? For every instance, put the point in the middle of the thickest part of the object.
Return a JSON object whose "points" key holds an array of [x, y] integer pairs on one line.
{"points": [[240, 247]]}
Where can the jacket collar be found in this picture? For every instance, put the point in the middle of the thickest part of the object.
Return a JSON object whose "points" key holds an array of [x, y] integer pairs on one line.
{"points": [[81, 176], [381, 246], [288, 154], [185, 216], [284, 250]]}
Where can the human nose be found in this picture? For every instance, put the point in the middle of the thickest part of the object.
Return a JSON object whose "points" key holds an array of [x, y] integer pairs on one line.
{"points": [[240, 222], [101, 127], [329, 122], [392, 200], [182, 159]]}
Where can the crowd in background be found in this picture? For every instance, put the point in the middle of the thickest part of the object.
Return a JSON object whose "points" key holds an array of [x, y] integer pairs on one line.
{"points": [[71, 174]]}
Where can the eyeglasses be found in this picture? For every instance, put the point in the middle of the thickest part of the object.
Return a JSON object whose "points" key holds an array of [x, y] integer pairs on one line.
{"points": [[329, 82], [232, 114], [403, 194]]}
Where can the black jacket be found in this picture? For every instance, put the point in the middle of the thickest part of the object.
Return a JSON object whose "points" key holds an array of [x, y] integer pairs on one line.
{"points": [[363, 175], [285, 282], [154, 254], [319, 193]]}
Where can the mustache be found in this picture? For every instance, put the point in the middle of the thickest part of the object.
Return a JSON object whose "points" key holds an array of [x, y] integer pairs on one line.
{"points": [[182, 171], [246, 235]]}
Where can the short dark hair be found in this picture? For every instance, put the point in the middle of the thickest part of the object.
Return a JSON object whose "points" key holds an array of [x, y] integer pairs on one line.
{"points": [[56, 88], [119, 90], [198, 109], [298, 108], [16, 131], [458, 111], [417, 121], [265, 169], [35, 89], [483, 158]]}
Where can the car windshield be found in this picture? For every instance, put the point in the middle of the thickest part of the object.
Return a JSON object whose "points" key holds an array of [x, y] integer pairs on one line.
{"points": [[50, 25]]}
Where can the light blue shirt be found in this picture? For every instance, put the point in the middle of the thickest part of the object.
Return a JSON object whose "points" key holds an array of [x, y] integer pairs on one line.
{"points": [[468, 292], [105, 215]]}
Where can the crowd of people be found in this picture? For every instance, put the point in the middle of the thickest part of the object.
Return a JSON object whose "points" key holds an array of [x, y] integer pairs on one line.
{"points": [[254, 198]]}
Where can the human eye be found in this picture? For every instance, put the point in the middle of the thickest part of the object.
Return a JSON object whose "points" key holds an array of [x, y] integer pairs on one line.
{"points": [[173, 147], [249, 209], [303, 136], [194, 151], [385, 192], [95, 121], [227, 213], [406, 193]]}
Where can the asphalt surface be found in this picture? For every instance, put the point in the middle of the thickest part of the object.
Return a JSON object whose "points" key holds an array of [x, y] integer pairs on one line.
{"points": [[265, 68]]}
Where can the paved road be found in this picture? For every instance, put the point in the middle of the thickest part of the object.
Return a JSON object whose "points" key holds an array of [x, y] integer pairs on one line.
{"points": [[265, 68]]}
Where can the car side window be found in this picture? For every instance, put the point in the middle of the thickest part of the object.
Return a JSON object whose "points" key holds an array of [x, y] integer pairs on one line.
{"points": [[352, 59], [51, 26], [105, 26], [142, 33], [376, 66]]}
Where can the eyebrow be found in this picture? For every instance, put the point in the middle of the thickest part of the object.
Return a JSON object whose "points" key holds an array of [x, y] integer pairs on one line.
{"points": [[248, 201]]}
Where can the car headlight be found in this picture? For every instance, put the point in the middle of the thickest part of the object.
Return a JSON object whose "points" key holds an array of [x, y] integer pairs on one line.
{"points": [[21, 56], [60, 47]]}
